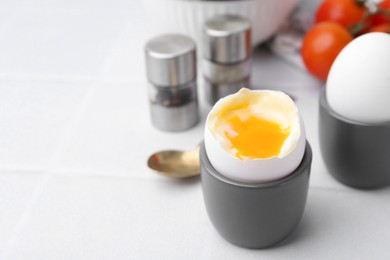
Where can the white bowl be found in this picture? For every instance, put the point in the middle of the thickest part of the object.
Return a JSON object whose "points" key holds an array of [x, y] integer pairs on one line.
{"points": [[188, 16]]}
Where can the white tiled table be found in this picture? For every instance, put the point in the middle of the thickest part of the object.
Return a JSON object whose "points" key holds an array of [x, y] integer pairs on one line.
{"points": [[75, 135]]}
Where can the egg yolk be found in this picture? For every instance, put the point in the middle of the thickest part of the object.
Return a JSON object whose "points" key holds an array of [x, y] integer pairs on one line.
{"points": [[255, 137]]}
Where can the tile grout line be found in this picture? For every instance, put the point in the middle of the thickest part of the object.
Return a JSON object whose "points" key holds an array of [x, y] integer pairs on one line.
{"points": [[16, 169], [109, 60], [71, 128], [23, 220], [68, 133], [69, 77], [66, 136], [72, 11], [65, 140]]}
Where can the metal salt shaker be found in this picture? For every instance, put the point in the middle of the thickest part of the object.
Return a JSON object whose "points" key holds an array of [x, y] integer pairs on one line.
{"points": [[227, 51], [171, 71]]}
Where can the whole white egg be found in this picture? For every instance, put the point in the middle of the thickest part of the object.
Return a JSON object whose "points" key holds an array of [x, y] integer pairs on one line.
{"points": [[255, 136], [358, 85]]}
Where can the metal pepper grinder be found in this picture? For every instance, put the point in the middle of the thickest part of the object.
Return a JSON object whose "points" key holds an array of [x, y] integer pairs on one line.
{"points": [[171, 71], [227, 51]]}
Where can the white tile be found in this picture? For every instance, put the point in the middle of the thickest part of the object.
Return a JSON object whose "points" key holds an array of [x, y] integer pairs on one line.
{"points": [[7, 19], [12, 4], [87, 6], [269, 72], [118, 218], [126, 61], [115, 135], [345, 224], [107, 218], [34, 116], [50, 43], [17, 192]]}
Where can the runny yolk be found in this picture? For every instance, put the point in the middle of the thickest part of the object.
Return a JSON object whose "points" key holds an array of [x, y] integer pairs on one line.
{"points": [[256, 137]]}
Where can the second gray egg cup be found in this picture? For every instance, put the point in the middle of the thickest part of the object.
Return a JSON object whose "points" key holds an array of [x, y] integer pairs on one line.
{"points": [[356, 154], [255, 215]]}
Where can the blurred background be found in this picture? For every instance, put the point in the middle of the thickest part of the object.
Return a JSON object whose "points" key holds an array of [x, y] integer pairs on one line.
{"points": [[75, 134]]}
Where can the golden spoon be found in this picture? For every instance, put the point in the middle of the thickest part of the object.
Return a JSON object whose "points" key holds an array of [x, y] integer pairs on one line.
{"points": [[176, 164]]}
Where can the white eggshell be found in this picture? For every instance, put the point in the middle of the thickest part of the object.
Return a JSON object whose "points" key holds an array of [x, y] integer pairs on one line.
{"points": [[358, 85], [255, 170]]}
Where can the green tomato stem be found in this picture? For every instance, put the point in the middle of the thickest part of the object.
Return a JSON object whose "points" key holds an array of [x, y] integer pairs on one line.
{"points": [[356, 28]]}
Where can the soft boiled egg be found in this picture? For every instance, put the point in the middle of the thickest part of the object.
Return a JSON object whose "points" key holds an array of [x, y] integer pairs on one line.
{"points": [[255, 136]]}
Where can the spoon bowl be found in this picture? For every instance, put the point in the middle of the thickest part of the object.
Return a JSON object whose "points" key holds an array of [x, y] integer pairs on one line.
{"points": [[176, 164]]}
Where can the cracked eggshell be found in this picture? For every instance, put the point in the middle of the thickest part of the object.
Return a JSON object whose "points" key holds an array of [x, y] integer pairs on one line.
{"points": [[253, 170]]}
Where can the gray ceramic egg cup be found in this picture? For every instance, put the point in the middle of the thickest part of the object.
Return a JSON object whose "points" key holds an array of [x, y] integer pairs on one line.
{"points": [[356, 154], [254, 215]]}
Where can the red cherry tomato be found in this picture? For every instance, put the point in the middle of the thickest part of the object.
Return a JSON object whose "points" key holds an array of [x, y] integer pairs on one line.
{"points": [[380, 18], [344, 12], [385, 27], [321, 45]]}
